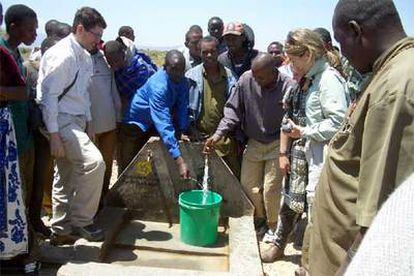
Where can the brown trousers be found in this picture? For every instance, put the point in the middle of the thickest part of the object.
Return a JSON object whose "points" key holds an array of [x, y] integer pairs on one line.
{"points": [[42, 177], [106, 143], [261, 179], [26, 165]]}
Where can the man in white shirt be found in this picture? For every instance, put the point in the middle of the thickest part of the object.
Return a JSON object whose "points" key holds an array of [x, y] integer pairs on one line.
{"points": [[67, 66]]}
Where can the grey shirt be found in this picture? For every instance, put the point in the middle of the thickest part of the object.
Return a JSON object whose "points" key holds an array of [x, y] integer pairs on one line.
{"points": [[105, 101], [258, 112]]}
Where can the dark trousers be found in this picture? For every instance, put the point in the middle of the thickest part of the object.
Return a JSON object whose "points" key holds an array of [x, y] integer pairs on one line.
{"points": [[42, 177], [288, 219], [106, 143], [131, 141]]}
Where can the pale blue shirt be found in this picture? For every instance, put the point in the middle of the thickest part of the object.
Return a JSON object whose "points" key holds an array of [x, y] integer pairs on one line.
{"points": [[327, 101]]}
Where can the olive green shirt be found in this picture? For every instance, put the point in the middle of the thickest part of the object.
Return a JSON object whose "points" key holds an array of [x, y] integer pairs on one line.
{"points": [[212, 109], [371, 155], [213, 102]]}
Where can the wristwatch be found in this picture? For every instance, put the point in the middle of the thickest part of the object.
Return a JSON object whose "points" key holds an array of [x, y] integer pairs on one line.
{"points": [[283, 153]]}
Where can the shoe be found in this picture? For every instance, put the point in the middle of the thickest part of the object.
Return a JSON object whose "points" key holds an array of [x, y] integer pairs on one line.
{"points": [[42, 229], [57, 240], [19, 267], [261, 231], [269, 237], [301, 271], [32, 268], [271, 254], [90, 233]]}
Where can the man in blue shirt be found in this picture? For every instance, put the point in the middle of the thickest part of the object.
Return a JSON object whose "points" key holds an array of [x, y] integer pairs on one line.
{"points": [[132, 69], [161, 105]]}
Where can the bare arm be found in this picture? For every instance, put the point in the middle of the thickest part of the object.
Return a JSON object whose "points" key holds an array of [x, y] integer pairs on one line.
{"points": [[284, 164], [284, 142]]}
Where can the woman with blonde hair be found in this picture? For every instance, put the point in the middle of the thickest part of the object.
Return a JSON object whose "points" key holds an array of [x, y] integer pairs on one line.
{"points": [[314, 114]]}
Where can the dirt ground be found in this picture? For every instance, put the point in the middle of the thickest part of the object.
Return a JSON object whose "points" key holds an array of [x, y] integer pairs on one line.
{"points": [[287, 265]]}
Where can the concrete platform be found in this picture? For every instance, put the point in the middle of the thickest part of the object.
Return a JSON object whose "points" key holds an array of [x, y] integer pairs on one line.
{"points": [[159, 236], [93, 269], [109, 219], [172, 260], [149, 244]]}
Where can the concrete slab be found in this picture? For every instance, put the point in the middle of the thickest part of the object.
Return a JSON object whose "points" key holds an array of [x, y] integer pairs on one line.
{"points": [[158, 259], [160, 236], [109, 219], [49, 269], [93, 269], [149, 190], [243, 247], [80, 251]]}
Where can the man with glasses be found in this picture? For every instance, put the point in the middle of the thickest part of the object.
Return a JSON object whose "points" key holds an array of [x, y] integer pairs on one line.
{"points": [[64, 74]]}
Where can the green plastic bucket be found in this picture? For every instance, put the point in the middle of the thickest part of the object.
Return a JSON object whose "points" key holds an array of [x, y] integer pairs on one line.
{"points": [[198, 221]]}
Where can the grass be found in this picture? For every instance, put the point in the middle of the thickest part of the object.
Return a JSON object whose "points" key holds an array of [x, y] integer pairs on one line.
{"points": [[156, 56]]}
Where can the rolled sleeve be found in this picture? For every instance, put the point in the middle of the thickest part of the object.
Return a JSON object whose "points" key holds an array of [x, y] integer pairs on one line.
{"points": [[334, 104], [232, 112]]}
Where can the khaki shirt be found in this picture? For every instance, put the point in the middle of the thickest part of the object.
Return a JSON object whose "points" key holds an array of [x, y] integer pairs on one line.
{"points": [[367, 159], [213, 102], [212, 110]]}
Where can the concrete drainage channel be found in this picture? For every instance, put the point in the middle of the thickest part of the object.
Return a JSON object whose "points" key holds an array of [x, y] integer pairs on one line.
{"points": [[142, 224]]}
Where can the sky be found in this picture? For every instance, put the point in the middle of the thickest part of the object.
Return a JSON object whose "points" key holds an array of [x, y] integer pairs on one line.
{"points": [[163, 23]]}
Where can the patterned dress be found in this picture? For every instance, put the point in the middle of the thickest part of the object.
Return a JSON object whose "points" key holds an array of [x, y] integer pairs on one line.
{"points": [[294, 191], [13, 224]]}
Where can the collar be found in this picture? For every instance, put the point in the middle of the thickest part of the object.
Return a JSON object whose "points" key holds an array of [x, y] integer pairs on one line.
{"points": [[392, 52], [15, 53], [98, 54], [169, 81], [320, 65], [77, 46], [223, 73], [193, 60]]}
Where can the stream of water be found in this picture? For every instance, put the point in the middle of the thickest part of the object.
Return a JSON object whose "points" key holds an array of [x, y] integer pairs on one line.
{"points": [[205, 180]]}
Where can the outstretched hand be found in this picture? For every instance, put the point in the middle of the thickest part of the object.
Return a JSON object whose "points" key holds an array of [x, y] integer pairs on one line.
{"points": [[182, 168], [210, 144], [296, 130], [185, 138]]}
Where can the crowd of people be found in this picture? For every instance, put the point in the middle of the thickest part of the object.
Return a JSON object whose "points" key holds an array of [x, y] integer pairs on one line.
{"points": [[315, 134]]}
